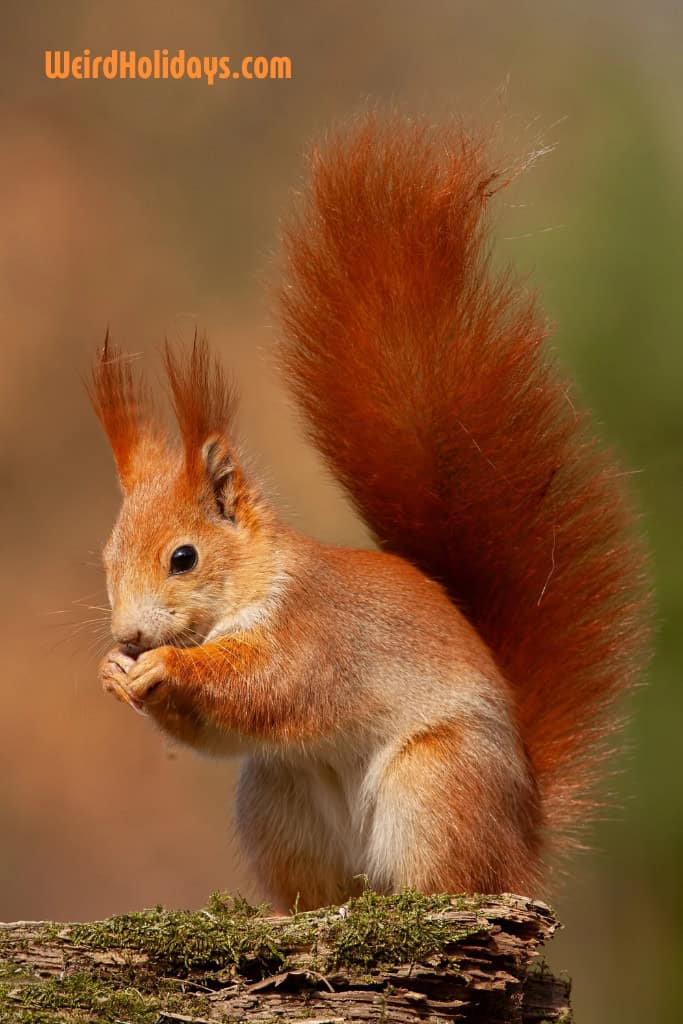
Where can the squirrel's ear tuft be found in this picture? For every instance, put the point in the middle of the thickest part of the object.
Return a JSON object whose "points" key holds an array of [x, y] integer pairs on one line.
{"points": [[204, 404], [123, 406], [223, 475]]}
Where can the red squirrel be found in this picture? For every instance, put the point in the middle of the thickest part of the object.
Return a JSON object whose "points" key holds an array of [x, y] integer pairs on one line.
{"points": [[432, 713]]}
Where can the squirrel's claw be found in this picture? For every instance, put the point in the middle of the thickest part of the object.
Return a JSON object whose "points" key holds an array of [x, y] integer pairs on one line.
{"points": [[122, 694]]}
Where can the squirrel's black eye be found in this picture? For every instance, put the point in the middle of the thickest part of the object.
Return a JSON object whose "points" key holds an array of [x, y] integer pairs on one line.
{"points": [[183, 559]]}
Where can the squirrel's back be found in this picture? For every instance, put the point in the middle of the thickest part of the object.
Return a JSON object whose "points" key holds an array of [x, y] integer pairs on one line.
{"points": [[428, 386]]}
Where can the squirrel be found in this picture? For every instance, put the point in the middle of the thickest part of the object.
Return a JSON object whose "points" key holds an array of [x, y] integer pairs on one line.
{"points": [[433, 713]]}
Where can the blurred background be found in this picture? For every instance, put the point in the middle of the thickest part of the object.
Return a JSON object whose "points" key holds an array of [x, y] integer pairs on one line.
{"points": [[153, 207]]}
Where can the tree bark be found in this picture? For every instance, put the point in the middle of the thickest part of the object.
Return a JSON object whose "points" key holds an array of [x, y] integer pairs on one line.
{"points": [[472, 959]]}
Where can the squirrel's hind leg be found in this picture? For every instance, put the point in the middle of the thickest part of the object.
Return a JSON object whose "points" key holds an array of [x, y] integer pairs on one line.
{"points": [[454, 811]]}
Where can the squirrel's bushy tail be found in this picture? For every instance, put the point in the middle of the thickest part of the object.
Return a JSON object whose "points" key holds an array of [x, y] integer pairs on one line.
{"points": [[427, 385]]}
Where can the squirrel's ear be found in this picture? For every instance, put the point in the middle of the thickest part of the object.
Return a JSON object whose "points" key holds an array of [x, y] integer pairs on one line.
{"points": [[123, 406], [223, 475], [204, 403]]}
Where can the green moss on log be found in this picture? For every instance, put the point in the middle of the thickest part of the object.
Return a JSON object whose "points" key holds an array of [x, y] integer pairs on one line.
{"points": [[169, 961]]}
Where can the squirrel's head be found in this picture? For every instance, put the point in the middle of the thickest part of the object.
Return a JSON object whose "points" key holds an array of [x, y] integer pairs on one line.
{"points": [[191, 552]]}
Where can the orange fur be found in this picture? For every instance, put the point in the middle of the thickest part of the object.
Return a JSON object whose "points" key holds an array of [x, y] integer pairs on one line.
{"points": [[203, 401], [457, 794], [428, 386], [426, 714], [123, 407]]}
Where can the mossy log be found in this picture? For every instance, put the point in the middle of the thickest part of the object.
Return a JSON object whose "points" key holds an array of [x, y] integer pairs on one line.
{"points": [[397, 958]]}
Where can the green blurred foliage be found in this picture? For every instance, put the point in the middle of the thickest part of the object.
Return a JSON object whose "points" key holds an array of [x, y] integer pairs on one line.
{"points": [[612, 284]]}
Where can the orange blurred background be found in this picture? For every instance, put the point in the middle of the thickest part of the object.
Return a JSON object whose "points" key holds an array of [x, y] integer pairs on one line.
{"points": [[153, 207]]}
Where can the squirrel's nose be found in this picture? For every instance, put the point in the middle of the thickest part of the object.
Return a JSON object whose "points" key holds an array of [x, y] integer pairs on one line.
{"points": [[133, 642]]}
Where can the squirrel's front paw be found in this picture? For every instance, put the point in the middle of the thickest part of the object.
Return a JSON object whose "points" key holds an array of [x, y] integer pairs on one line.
{"points": [[148, 674], [113, 674]]}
